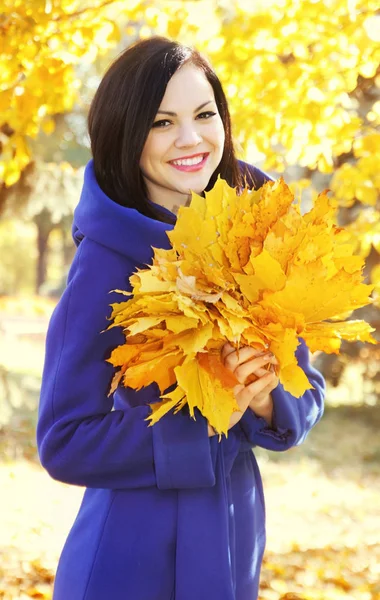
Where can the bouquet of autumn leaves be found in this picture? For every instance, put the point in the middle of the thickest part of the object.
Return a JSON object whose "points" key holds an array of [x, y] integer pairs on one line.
{"points": [[245, 268]]}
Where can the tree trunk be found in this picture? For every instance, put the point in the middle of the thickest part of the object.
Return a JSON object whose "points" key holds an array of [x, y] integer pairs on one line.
{"points": [[44, 228], [68, 246]]}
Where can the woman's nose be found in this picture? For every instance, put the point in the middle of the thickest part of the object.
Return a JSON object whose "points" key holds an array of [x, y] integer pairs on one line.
{"points": [[188, 136]]}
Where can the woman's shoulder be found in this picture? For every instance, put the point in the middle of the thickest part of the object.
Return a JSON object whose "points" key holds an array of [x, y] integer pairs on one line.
{"points": [[96, 267], [255, 177]]}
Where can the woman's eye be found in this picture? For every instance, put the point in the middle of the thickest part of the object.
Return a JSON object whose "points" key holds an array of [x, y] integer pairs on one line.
{"points": [[208, 114], [160, 123]]}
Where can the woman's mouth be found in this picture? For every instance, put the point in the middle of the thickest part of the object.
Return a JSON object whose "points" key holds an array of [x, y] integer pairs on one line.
{"points": [[190, 164]]}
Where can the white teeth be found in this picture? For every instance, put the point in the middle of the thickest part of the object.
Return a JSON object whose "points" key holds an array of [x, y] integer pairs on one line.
{"points": [[189, 161]]}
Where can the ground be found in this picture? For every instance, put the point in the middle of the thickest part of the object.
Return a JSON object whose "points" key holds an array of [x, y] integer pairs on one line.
{"points": [[323, 514]]}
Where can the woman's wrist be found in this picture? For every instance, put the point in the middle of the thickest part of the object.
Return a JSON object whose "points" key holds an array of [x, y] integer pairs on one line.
{"points": [[264, 409]]}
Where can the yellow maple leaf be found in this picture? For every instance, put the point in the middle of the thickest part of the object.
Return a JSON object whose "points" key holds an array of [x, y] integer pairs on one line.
{"points": [[159, 369], [247, 268], [173, 400], [190, 341], [328, 336], [216, 402], [294, 380]]}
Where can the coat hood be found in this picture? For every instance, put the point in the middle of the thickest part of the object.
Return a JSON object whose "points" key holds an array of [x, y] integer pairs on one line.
{"points": [[122, 229]]}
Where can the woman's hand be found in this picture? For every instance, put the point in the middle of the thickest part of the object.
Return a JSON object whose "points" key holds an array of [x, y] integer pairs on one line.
{"points": [[256, 395]]}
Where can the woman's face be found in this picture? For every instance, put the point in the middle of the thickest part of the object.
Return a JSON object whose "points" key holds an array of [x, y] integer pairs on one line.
{"points": [[187, 124]]}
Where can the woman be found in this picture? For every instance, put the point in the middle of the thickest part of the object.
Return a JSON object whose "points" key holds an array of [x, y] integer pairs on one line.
{"points": [[169, 512]]}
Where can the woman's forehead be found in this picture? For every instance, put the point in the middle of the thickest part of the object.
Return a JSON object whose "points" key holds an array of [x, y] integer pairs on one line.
{"points": [[189, 88]]}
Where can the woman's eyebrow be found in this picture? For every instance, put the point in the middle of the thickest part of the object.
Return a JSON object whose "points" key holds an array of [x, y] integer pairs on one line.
{"points": [[173, 114]]}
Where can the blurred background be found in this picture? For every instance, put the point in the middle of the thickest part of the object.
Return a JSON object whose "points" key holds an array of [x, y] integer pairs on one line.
{"points": [[303, 82]]}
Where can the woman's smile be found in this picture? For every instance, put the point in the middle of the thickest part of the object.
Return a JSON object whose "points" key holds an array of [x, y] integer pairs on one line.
{"points": [[189, 164]]}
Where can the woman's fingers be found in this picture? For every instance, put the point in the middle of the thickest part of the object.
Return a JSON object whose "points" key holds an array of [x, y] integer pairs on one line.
{"points": [[259, 388], [245, 363], [232, 357], [243, 371]]}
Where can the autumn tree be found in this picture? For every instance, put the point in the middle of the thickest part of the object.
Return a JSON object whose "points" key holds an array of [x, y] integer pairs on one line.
{"points": [[302, 79]]}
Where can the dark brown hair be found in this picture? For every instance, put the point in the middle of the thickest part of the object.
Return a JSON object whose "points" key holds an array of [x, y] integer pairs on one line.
{"points": [[124, 108]]}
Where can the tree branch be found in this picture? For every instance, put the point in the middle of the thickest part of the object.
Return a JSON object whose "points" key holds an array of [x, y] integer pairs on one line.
{"points": [[84, 10]]}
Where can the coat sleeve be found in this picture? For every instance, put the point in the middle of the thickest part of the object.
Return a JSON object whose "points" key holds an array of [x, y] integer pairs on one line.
{"points": [[82, 439], [292, 417]]}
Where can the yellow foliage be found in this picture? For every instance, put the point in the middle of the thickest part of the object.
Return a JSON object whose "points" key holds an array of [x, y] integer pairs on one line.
{"points": [[40, 44], [365, 232], [250, 269], [360, 181], [289, 70]]}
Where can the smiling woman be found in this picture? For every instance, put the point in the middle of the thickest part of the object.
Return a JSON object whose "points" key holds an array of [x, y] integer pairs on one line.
{"points": [[182, 153], [169, 512]]}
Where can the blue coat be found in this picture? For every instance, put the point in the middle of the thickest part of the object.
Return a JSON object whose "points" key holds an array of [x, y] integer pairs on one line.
{"points": [[168, 513]]}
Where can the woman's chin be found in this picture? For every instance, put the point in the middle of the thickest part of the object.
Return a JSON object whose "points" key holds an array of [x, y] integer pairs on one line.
{"points": [[197, 186]]}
